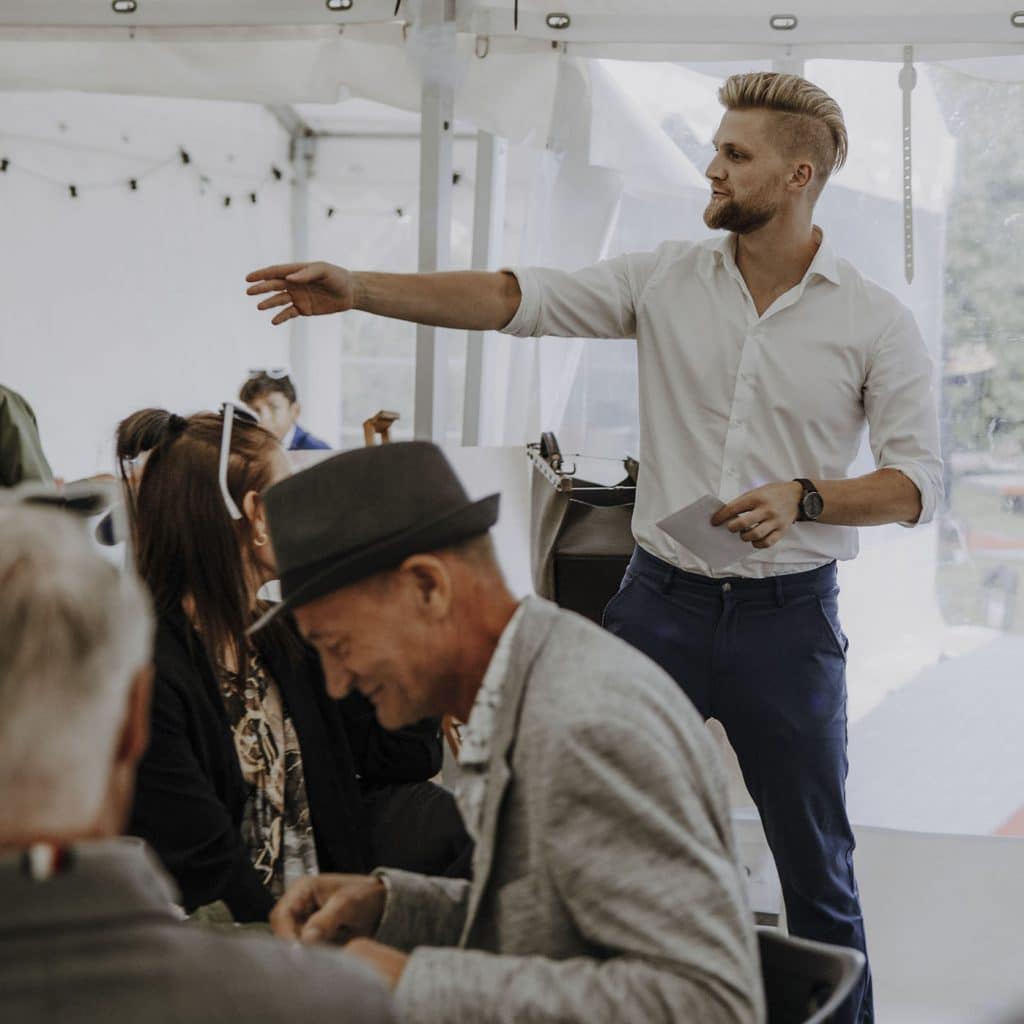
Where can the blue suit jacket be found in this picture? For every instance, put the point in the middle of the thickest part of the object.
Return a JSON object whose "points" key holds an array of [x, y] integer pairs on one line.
{"points": [[305, 441]]}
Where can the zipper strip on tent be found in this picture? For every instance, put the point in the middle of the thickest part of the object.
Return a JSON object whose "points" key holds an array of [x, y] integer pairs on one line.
{"points": [[908, 79]]}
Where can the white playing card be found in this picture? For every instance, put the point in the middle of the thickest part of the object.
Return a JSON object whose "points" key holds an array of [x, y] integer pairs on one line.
{"points": [[691, 527]]}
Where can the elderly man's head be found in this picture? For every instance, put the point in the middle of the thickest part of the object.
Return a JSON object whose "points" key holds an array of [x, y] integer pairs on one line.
{"points": [[74, 681], [389, 568], [415, 640]]}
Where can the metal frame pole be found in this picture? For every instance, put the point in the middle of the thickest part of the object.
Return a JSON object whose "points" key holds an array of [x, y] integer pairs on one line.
{"points": [[488, 230], [303, 152], [436, 117]]}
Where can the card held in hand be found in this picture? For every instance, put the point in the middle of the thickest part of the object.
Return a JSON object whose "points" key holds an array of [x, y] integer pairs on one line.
{"points": [[715, 545]]}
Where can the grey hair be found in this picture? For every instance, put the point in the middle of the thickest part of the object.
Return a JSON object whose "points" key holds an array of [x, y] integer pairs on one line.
{"points": [[74, 632]]}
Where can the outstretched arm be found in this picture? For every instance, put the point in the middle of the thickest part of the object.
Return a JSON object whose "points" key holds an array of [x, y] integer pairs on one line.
{"points": [[468, 300]]}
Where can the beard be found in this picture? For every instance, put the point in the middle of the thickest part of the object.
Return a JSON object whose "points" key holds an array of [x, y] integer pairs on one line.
{"points": [[741, 216]]}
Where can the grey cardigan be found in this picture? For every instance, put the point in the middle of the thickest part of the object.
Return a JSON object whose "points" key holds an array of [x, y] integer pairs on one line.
{"points": [[606, 886]]}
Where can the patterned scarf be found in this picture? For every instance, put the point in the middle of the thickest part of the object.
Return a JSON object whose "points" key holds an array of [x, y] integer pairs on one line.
{"points": [[276, 823]]}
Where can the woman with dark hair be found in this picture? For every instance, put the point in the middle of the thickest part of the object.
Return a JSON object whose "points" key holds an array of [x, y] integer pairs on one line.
{"points": [[134, 438], [254, 776]]}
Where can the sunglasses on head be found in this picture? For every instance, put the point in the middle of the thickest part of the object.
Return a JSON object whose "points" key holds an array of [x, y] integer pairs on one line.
{"points": [[273, 372], [230, 411]]}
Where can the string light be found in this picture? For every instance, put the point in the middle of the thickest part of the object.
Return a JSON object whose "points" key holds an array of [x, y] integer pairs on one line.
{"points": [[183, 158]]}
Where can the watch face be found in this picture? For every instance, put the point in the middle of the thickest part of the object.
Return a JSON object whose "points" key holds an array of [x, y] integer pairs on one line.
{"points": [[813, 505]]}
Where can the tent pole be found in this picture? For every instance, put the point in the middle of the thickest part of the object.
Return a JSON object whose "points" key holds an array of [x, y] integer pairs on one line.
{"points": [[788, 65], [303, 150], [488, 224], [436, 116]]}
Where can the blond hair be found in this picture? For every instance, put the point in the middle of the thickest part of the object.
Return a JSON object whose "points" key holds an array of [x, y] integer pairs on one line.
{"points": [[74, 633], [809, 122]]}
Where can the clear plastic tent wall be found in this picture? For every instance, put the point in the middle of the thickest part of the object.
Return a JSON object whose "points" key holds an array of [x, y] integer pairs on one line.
{"points": [[613, 105]]}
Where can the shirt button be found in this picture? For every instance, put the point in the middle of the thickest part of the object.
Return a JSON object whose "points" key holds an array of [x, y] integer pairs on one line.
{"points": [[726, 587]]}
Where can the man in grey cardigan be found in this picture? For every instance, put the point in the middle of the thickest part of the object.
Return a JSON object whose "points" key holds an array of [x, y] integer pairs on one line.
{"points": [[605, 884], [88, 927]]}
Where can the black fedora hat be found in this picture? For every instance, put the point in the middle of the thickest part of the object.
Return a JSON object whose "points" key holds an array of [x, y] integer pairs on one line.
{"points": [[364, 511]]}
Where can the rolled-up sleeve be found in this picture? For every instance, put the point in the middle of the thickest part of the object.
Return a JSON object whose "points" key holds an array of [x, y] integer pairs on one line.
{"points": [[596, 302], [902, 412]]}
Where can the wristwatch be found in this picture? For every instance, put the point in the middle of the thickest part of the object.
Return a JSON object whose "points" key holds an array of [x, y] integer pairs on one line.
{"points": [[812, 504]]}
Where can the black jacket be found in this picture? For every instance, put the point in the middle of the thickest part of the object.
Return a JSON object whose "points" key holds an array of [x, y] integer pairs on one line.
{"points": [[190, 792]]}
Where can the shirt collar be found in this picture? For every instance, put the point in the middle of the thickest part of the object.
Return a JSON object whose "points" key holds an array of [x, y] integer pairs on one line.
{"points": [[104, 881], [479, 729], [286, 441], [825, 264]]}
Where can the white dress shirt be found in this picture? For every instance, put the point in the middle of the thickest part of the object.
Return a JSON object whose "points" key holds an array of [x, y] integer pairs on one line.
{"points": [[730, 400]]}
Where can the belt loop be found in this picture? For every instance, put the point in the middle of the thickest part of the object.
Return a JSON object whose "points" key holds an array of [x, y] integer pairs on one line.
{"points": [[780, 595]]}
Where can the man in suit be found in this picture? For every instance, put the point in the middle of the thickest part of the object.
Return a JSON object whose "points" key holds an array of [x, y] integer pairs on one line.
{"points": [[605, 886], [271, 394], [89, 931]]}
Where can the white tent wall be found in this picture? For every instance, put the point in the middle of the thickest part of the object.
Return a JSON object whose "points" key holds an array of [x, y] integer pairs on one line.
{"points": [[117, 298], [938, 715]]}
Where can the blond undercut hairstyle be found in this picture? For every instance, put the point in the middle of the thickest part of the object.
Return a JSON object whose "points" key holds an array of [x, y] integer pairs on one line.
{"points": [[809, 123]]}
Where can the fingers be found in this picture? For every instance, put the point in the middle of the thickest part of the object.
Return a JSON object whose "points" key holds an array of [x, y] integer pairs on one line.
{"points": [[279, 299], [331, 921], [307, 273], [773, 538], [278, 270], [293, 909], [758, 531], [285, 315], [272, 284], [748, 521], [736, 507]]}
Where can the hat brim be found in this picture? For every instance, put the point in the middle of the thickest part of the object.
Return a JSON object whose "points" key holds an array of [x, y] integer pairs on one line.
{"points": [[465, 522]]}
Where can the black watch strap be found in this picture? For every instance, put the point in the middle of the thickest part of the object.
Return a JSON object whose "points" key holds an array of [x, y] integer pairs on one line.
{"points": [[809, 488]]}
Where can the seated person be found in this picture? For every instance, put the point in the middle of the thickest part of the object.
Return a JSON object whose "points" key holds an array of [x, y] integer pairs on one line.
{"points": [[271, 394], [253, 778], [605, 886], [21, 451], [134, 437], [89, 931]]}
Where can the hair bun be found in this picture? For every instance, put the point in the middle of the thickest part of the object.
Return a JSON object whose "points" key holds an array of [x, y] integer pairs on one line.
{"points": [[175, 426]]}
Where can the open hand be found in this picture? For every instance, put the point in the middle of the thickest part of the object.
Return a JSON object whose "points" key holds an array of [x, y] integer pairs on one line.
{"points": [[329, 908], [762, 516], [304, 289]]}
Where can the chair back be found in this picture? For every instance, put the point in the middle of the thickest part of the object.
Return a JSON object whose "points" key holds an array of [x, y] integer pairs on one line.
{"points": [[805, 982]]}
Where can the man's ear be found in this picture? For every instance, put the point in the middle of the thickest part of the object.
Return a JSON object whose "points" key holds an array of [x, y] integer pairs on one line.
{"points": [[134, 737], [802, 175], [431, 581]]}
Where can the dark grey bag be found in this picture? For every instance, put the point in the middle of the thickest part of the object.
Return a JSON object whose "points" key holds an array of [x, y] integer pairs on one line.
{"points": [[581, 537]]}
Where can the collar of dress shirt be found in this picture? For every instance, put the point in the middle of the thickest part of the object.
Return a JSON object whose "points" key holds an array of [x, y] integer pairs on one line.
{"points": [[479, 729], [824, 264], [286, 441]]}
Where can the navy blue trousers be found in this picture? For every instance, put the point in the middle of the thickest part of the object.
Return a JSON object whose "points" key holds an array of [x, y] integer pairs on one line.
{"points": [[767, 658]]}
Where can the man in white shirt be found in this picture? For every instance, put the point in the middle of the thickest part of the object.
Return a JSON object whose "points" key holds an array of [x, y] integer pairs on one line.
{"points": [[762, 356]]}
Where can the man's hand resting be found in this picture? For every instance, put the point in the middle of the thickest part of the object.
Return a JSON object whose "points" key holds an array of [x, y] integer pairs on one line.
{"points": [[762, 516], [304, 289], [389, 963], [329, 908]]}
